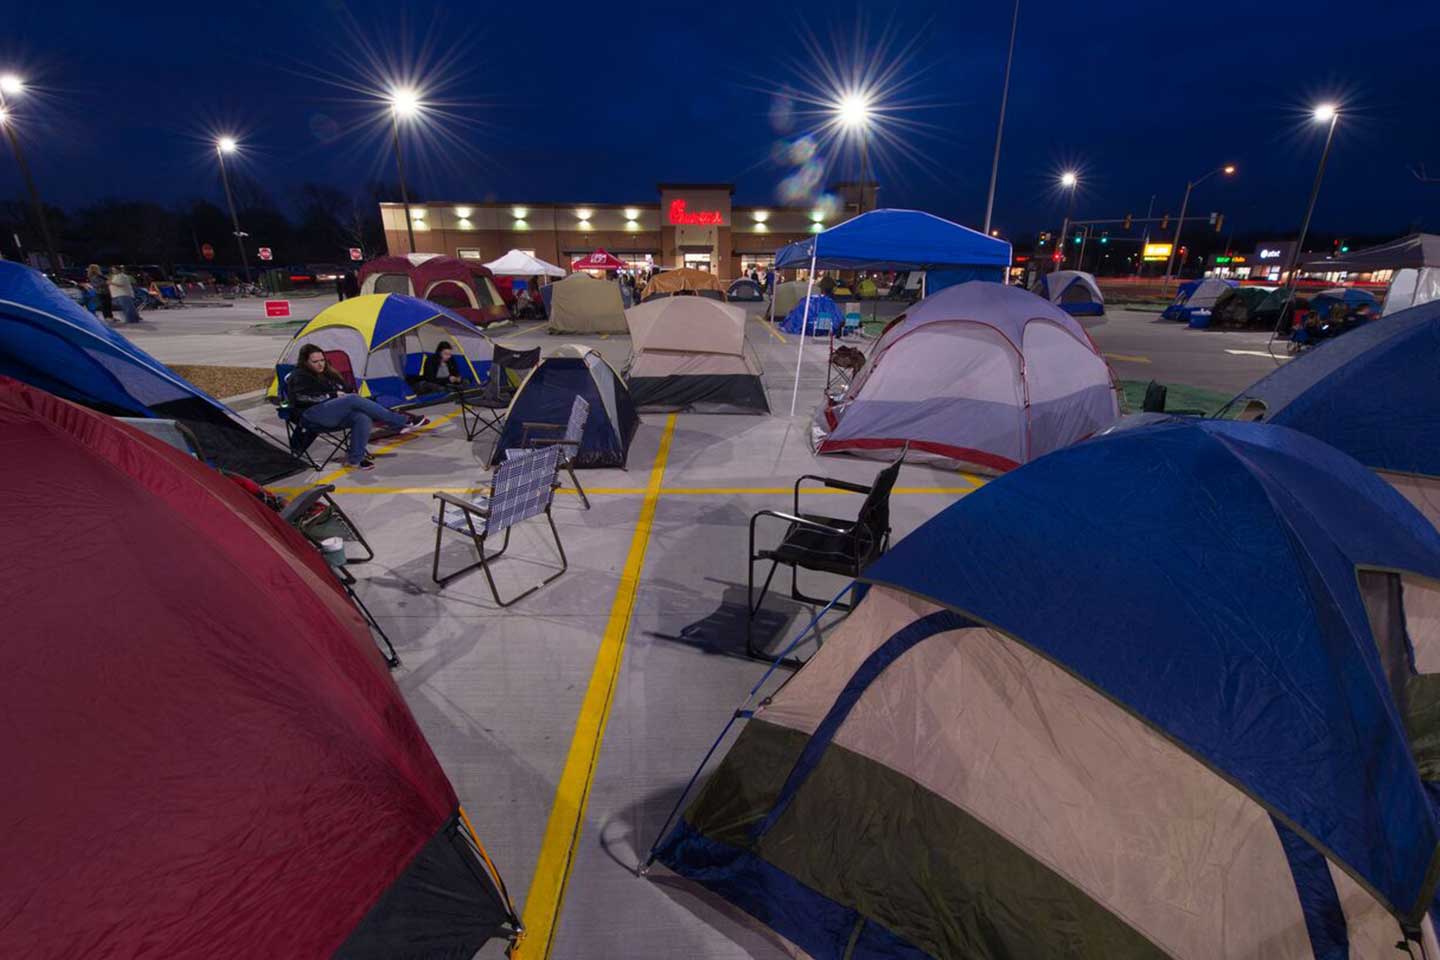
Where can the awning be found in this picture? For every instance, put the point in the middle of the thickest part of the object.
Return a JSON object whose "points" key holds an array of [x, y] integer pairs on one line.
{"points": [[1415, 250], [599, 260], [518, 263], [896, 240]]}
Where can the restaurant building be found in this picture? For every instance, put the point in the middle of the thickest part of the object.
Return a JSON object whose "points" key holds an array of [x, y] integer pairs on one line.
{"points": [[687, 225]]}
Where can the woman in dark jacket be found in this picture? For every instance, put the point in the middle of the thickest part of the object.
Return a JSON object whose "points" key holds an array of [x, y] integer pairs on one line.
{"points": [[318, 396], [439, 371]]}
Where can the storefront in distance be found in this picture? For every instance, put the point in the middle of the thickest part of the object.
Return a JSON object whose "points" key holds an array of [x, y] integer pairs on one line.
{"points": [[693, 225]]}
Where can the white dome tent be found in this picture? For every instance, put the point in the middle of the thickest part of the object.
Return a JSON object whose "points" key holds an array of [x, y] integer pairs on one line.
{"points": [[979, 376]]}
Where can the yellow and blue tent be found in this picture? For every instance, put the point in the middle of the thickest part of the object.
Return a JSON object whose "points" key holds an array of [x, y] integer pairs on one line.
{"points": [[386, 336]]}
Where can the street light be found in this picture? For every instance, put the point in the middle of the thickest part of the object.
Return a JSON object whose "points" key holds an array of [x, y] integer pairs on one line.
{"points": [[404, 104], [1000, 126], [224, 145], [1228, 169], [853, 111], [1323, 113], [10, 86], [1069, 180]]}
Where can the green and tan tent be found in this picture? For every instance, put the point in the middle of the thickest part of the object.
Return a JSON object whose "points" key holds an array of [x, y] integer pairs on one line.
{"points": [[583, 304]]}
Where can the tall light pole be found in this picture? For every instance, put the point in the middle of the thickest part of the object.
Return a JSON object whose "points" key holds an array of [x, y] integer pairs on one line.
{"points": [[1324, 113], [404, 104], [1069, 180], [853, 112], [10, 86], [1000, 127], [1228, 169], [223, 146]]}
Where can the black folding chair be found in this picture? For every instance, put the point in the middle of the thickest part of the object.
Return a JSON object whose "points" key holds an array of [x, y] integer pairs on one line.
{"points": [[524, 487], [568, 441], [315, 513], [827, 544], [483, 408], [302, 436]]}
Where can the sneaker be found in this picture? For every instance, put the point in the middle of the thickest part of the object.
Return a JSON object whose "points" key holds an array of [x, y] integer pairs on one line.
{"points": [[415, 424], [366, 464]]}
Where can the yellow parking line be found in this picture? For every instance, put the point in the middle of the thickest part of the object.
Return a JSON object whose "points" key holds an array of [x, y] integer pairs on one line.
{"points": [[771, 328], [1125, 357], [403, 438], [572, 793]]}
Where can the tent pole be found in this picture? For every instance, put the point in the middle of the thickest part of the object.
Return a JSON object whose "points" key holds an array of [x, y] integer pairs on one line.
{"points": [[804, 322]]}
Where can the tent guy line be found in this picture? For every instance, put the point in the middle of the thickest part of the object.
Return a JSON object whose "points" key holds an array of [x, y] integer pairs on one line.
{"points": [[572, 792]]}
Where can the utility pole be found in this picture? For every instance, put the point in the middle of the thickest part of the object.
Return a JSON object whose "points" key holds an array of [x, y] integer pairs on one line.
{"points": [[1000, 127]]}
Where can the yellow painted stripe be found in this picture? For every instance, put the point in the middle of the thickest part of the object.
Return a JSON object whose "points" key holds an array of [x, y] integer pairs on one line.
{"points": [[770, 327], [572, 793], [403, 438], [1128, 358]]}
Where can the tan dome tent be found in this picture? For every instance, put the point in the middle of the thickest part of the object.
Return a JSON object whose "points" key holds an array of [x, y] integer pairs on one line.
{"points": [[787, 296], [688, 353], [685, 280], [582, 304]]}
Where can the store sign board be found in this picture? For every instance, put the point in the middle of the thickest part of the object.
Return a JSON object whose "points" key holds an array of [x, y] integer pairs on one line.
{"points": [[680, 214], [277, 308], [1158, 251], [1269, 253]]}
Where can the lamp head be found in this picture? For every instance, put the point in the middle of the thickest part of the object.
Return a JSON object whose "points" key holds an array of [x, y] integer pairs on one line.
{"points": [[226, 145], [853, 111], [1325, 112], [1228, 169], [1068, 179], [11, 84], [404, 102]]}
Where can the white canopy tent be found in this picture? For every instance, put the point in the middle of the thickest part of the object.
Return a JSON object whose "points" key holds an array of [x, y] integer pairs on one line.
{"points": [[518, 263]]}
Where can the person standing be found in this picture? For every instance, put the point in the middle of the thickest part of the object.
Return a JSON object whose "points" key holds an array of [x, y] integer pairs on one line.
{"points": [[100, 287], [122, 293]]}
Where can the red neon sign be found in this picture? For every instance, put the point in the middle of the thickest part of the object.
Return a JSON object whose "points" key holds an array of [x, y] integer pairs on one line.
{"points": [[678, 214]]}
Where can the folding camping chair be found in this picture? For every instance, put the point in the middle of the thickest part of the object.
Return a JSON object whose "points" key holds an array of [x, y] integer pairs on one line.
{"points": [[315, 514], [302, 436], [568, 442], [484, 408], [827, 544], [524, 487]]}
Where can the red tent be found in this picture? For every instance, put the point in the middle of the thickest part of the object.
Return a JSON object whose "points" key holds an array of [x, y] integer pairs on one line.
{"points": [[599, 260], [465, 286], [208, 756]]}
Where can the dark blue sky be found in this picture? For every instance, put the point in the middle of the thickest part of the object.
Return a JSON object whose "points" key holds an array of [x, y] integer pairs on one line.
{"points": [[595, 106]]}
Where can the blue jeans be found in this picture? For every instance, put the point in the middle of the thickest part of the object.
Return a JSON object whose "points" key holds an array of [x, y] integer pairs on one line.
{"points": [[357, 413], [126, 305]]}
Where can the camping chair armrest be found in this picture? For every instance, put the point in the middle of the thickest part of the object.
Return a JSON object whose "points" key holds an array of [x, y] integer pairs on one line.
{"points": [[550, 442], [789, 518], [829, 482], [462, 504], [302, 503]]}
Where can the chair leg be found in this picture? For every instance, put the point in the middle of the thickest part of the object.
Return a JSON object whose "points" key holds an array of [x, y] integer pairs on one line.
{"points": [[559, 549], [796, 594], [359, 537], [477, 539], [392, 659], [753, 605], [578, 489]]}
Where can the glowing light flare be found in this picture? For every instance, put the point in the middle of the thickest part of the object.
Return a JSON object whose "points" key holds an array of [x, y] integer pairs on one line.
{"points": [[226, 145], [1325, 112], [520, 212], [4, 116], [463, 212], [632, 213], [1228, 169], [853, 110], [405, 102], [1069, 179], [11, 84], [761, 215], [584, 213]]}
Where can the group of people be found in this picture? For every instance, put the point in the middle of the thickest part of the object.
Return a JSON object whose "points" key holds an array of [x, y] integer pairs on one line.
{"points": [[107, 294]]}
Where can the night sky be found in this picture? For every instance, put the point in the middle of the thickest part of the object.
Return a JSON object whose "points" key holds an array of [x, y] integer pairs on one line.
{"points": [[601, 105]]}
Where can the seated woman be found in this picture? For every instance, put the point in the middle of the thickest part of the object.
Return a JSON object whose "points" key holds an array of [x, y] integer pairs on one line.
{"points": [[318, 396], [439, 373]]}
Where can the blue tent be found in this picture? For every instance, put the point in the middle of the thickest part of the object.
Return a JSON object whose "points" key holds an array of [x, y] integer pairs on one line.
{"points": [[1087, 708], [1373, 393], [49, 341], [902, 240], [825, 316], [548, 393], [1353, 299]]}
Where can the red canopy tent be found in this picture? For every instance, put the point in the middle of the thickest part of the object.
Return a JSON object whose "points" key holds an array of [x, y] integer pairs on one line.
{"points": [[599, 260], [210, 758]]}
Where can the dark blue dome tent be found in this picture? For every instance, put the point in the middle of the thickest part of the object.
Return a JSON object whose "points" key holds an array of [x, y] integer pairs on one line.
{"points": [[548, 393], [49, 341], [896, 240], [1158, 694]]}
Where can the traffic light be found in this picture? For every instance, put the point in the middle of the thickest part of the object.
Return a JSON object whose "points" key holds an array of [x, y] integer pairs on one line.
{"points": [[1344, 249], [1105, 237], [1127, 221], [1219, 221], [1165, 222], [1078, 238]]}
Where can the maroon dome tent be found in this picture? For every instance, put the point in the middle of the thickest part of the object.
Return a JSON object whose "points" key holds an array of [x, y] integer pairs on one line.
{"points": [[208, 756], [467, 287]]}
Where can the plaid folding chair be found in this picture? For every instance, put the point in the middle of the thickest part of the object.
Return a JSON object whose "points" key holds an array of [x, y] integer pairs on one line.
{"points": [[484, 408], [568, 442], [524, 487]]}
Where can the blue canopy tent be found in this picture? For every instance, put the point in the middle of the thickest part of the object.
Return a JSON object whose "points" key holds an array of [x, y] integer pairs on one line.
{"points": [[897, 240], [49, 341]]}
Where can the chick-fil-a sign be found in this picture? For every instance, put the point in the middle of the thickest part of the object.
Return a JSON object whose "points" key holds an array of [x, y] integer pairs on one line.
{"points": [[679, 215]]}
